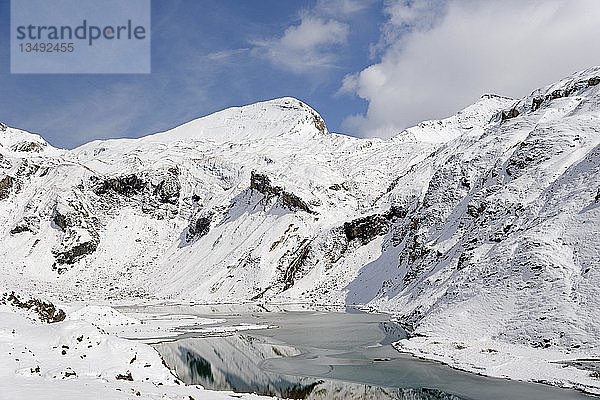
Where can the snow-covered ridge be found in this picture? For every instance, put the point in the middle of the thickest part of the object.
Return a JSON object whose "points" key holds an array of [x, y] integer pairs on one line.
{"points": [[285, 118], [485, 223]]}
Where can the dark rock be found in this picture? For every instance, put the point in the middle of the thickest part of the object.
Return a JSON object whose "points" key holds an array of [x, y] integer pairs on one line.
{"points": [[319, 123], [262, 184], [3, 127], [530, 153], [597, 198], [396, 211], [6, 184], [475, 210], [292, 202], [127, 185], [366, 228], [299, 258], [168, 189], [125, 377], [80, 237], [593, 81], [198, 227], [77, 252], [536, 103], [556, 94], [29, 223], [45, 310], [29, 147], [509, 114]]}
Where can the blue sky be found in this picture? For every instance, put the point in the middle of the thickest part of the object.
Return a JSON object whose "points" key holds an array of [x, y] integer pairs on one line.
{"points": [[206, 55], [370, 67]]}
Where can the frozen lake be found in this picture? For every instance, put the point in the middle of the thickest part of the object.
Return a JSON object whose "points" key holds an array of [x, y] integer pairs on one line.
{"points": [[329, 355]]}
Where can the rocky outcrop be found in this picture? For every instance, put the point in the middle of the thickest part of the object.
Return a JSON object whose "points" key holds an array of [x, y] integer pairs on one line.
{"points": [[29, 223], [46, 311], [168, 189], [509, 114], [79, 232], [262, 184], [198, 226], [366, 228], [568, 90], [28, 147], [6, 184], [158, 192], [126, 185], [291, 264]]}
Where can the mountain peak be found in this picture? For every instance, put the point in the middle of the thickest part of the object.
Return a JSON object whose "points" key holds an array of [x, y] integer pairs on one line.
{"points": [[284, 116], [21, 141]]}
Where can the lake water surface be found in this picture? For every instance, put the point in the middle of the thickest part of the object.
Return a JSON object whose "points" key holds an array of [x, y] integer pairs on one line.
{"points": [[329, 355]]}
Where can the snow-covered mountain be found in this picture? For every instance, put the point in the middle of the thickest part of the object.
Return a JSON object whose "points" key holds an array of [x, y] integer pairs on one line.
{"points": [[481, 225]]}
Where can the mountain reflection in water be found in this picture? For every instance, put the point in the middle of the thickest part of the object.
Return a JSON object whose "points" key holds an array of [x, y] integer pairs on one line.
{"points": [[233, 363]]}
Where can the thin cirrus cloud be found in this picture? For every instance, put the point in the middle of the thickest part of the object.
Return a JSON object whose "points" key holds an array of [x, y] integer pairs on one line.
{"points": [[436, 57], [311, 44]]}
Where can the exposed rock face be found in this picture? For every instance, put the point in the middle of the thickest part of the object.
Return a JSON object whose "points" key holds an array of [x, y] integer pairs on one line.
{"points": [[6, 184], [29, 223], [569, 90], [366, 228], [127, 185], [46, 311], [262, 184], [168, 189], [28, 147], [80, 237], [2, 127], [198, 227], [509, 114], [157, 191]]}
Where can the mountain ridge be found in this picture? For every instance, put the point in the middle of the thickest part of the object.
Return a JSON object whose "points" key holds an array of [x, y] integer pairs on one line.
{"points": [[479, 227]]}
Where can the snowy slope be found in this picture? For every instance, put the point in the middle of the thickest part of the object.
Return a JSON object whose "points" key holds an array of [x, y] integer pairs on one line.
{"points": [[484, 224]]}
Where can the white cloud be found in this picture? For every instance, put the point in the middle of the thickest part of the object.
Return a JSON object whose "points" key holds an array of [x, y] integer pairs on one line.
{"points": [[225, 55], [311, 44], [435, 60]]}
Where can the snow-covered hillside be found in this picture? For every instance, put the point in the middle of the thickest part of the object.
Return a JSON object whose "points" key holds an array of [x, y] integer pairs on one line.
{"points": [[482, 226]]}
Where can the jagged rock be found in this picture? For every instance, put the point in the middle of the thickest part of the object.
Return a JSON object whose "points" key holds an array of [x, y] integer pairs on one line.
{"points": [[262, 184], [366, 228], [509, 114], [169, 188], [29, 147], [536, 103], [475, 210], [76, 252], [533, 151], [292, 262], [319, 123], [29, 223], [6, 184], [198, 227], [568, 90], [597, 198], [126, 185], [3, 127], [80, 237], [45, 310]]}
